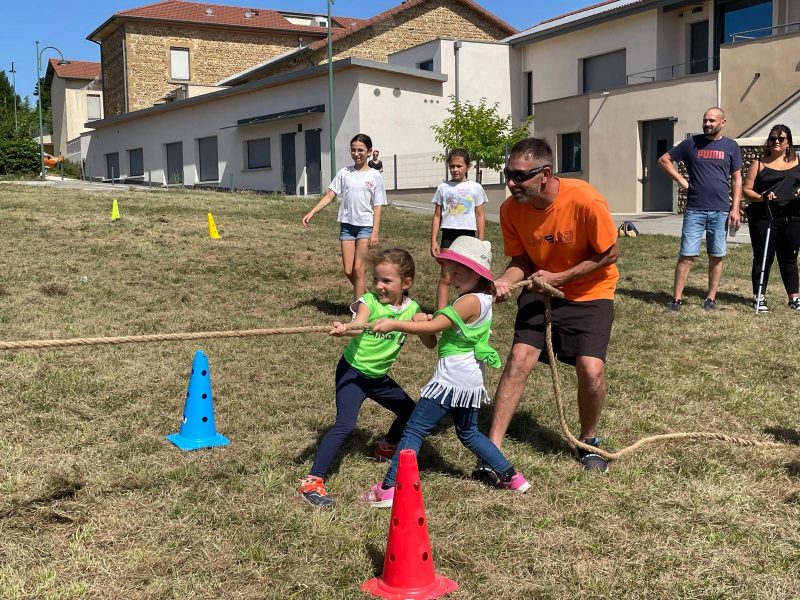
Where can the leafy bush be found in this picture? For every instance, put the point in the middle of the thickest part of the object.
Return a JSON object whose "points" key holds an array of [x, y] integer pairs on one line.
{"points": [[19, 157]]}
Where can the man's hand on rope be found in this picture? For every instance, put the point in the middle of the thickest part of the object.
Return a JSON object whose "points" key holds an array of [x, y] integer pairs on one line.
{"points": [[556, 280]]}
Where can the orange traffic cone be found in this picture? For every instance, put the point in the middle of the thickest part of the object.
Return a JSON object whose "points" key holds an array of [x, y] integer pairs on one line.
{"points": [[408, 567]]}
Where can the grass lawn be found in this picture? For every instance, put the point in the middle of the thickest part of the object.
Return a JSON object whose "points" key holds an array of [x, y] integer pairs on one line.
{"points": [[95, 503]]}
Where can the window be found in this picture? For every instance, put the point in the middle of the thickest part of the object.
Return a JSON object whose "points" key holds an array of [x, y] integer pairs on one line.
{"points": [[174, 162], [93, 111], [136, 162], [112, 165], [742, 17], [570, 153], [528, 94], [698, 47], [426, 65], [179, 63], [209, 167], [258, 154], [604, 71]]}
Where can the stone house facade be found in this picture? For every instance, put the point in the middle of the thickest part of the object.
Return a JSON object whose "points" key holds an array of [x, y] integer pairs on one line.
{"points": [[407, 25], [136, 47], [229, 46]]}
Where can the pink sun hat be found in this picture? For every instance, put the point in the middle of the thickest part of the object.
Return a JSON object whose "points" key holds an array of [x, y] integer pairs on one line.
{"points": [[472, 253]]}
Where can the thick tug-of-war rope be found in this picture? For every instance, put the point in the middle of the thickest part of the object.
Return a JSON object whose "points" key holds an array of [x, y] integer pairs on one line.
{"points": [[548, 292]]}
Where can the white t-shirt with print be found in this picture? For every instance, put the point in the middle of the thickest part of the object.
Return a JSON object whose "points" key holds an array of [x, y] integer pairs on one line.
{"points": [[458, 202], [358, 192]]}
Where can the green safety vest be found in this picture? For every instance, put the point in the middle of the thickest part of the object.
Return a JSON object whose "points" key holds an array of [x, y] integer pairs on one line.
{"points": [[373, 353], [473, 338]]}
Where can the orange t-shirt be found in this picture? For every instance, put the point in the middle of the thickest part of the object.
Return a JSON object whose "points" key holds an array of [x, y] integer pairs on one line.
{"points": [[576, 226]]}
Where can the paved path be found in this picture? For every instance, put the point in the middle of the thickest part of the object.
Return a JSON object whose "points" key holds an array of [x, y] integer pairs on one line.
{"points": [[646, 223]]}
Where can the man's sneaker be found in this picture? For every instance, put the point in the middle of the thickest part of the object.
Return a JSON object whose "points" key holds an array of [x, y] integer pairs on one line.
{"points": [[794, 303], [312, 490], [378, 497], [760, 305], [589, 460], [517, 484], [485, 474], [675, 305], [710, 305], [383, 451]]}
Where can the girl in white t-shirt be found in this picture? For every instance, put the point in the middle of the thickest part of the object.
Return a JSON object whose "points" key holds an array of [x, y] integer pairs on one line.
{"points": [[459, 211], [362, 195]]}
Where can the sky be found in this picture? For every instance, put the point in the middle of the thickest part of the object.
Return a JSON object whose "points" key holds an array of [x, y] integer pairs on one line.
{"points": [[65, 25]]}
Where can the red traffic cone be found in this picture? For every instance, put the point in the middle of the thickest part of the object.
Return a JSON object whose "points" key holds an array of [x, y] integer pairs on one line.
{"points": [[408, 567]]}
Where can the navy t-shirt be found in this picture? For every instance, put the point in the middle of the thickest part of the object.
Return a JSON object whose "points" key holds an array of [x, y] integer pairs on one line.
{"points": [[709, 164]]}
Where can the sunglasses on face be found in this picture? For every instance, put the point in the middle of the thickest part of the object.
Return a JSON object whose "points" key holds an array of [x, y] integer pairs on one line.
{"points": [[520, 176], [775, 138]]}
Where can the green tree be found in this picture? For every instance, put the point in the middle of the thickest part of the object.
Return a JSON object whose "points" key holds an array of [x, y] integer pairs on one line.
{"points": [[481, 131]]}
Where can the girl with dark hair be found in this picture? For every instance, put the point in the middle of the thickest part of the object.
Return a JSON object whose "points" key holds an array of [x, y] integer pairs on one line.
{"points": [[363, 194], [459, 211], [772, 187]]}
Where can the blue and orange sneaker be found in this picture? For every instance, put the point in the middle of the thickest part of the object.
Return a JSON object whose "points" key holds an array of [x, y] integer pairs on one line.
{"points": [[312, 490]]}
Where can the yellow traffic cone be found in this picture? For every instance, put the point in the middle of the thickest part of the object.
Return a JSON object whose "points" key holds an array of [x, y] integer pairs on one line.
{"points": [[212, 228], [115, 210]]}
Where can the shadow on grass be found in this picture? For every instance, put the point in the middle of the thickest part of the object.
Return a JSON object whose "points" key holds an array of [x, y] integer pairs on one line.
{"points": [[793, 468], [691, 292], [334, 309], [782, 434], [526, 428], [376, 557], [361, 442]]}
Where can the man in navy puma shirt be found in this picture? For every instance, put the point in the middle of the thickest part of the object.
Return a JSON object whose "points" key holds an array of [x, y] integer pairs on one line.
{"points": [[709, 159]]}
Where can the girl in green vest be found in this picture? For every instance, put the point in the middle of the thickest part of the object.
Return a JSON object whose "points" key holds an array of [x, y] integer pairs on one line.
{"points": [[457, 386], [362, 370]]}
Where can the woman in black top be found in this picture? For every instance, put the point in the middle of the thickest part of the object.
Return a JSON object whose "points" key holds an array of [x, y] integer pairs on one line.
{"points": [[375, 162], [772, 187]]}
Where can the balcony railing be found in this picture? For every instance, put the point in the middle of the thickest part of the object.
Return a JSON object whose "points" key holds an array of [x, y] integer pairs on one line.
{"points": [[753, 34], [699, 65]]}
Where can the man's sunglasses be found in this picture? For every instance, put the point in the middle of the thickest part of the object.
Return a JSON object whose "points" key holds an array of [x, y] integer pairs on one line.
{"points": [[774, 138], [520, 176]]}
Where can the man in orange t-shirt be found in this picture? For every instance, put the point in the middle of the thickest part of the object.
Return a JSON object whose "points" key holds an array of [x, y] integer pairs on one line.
{"points": [[560, 230]]}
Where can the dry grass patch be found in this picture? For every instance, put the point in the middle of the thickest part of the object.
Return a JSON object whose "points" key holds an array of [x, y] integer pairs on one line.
{"points": [[95, 503]]}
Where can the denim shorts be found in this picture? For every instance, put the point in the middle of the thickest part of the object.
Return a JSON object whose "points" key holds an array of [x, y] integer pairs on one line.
{"points": [[710, 222], [348, 232]]}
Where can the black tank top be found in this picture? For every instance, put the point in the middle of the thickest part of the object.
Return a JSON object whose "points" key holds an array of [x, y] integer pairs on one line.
{"points": [[783, 183]]}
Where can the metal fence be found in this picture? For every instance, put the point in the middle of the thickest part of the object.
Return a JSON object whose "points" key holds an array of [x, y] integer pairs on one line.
{"points": [[422, 170], [74, 150]]}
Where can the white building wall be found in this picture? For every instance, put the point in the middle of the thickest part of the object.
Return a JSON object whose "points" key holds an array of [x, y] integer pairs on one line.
{"points": [[557, 62], [219, 118]]}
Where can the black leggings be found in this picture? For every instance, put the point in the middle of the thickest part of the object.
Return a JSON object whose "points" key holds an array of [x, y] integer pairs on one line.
{"points": [[784, 240], [352, 388]]}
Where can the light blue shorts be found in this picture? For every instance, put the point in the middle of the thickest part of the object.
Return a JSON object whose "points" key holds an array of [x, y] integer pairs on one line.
{"points": [[348, 232], [698, 222]]}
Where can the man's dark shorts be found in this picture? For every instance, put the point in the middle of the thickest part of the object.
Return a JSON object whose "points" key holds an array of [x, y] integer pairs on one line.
{"points": [[579, 328]]}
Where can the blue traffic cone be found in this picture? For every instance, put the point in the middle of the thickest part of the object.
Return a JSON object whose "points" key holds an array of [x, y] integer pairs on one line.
{"points": [[197, 426]]}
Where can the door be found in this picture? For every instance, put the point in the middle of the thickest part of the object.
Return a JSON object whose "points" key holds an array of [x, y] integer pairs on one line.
{"points": [[698, 50], [288, 164], [657, 138], [175, 163], [314, 161]]}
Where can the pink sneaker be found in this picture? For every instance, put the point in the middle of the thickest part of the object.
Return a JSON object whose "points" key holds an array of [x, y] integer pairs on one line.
{"points": [[517, 483], [378, 497]]}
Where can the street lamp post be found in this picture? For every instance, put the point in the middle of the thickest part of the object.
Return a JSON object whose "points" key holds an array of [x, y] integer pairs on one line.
{"points": [[63, 61], [331, 137], [14, 91]]}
